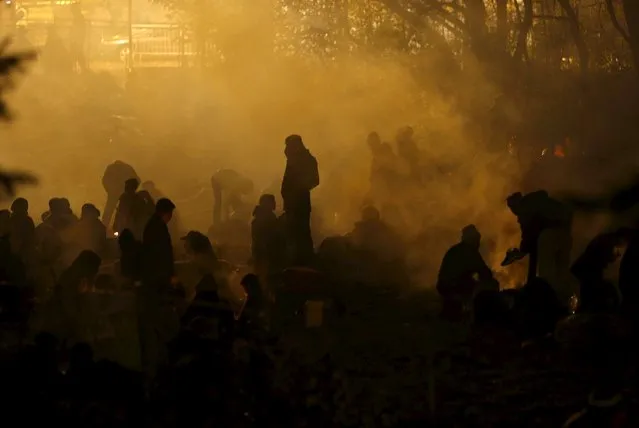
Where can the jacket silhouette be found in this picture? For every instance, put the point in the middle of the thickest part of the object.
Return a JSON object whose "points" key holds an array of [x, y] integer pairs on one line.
{"points": [[300, 177]]}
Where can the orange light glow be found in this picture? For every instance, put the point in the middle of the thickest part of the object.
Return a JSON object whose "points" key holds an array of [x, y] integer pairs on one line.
{"points": [[559, 151]]}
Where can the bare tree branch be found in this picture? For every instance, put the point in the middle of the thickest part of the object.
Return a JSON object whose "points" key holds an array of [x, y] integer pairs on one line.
{"points": [[551, 17], [9, 63], [10, 180], [575, 31], [434, 38], [615, 21]]}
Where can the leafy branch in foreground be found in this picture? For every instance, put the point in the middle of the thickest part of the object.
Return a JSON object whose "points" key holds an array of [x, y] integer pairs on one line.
{"points": [[9, 64]]}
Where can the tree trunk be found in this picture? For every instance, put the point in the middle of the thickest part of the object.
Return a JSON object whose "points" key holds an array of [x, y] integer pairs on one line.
{"points": [[521, 51], [502, 23], [475, 17], [575, 32], [631, 11]]}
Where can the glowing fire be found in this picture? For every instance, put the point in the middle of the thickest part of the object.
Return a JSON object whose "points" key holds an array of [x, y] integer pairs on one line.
{"points": [[559, 151]]}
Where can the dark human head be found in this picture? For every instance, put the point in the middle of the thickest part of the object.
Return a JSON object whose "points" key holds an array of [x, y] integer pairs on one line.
{"points": [[294, 145], [513, 202], [370, 213], [131, 185], [89, 211], [164, 208], [471, 236], [87, 264], [55, 205], [267, 202], [197, 243], [251, 284], [20, 206]]}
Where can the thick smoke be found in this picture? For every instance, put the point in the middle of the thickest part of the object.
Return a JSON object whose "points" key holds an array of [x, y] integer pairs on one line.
{"points": [[177, 127]]}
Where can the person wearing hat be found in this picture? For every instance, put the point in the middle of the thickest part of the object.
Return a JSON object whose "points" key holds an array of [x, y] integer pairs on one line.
{"points": [[456, 281], [300, 177]]}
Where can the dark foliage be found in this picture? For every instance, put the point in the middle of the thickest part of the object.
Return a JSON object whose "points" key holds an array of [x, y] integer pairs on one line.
{"points": [[9, 64]]}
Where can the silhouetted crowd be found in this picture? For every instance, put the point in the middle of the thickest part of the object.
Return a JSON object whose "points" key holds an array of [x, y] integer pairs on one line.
{"points": [[124, 309]]}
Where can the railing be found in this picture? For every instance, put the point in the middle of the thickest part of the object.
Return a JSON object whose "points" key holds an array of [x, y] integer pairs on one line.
{"points": [[107, 43]]}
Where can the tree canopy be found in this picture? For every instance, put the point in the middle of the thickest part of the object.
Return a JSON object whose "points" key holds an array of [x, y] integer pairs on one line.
{"points": [[563, 34]]}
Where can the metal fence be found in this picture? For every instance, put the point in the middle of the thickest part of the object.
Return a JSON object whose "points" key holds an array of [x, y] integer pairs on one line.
{"points": [[107, 43]]}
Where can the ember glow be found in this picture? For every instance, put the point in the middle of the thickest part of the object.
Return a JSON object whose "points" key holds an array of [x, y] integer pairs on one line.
{"points": [[559, 151]]}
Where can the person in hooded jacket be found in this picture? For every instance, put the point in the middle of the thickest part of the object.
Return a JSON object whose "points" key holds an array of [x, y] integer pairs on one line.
{"points": [[462, 273], [300, 177], [150, 194]]}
